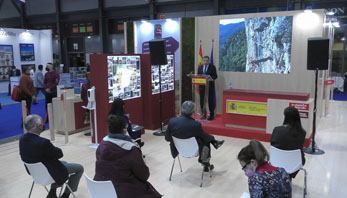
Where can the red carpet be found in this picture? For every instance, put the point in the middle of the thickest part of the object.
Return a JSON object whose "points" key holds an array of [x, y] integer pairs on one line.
{"points": [[216, 127]]}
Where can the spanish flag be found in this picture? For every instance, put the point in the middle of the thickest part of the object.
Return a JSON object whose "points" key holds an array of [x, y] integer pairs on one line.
{"points": [[200, 62]]}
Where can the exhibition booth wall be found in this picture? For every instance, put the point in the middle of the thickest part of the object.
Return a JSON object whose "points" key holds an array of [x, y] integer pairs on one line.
{"points": [[287, 75], [132, 78], [23, 48], [170, 31]]}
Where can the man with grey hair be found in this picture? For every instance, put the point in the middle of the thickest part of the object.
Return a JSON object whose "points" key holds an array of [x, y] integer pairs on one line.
{"points": [[34, 148], [185, 127]]}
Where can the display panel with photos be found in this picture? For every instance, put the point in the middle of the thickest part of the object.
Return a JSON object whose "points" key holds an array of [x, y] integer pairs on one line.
{"points": [[77, 77], [27, 52], [167, 76], [124, 77], [6, 61]]}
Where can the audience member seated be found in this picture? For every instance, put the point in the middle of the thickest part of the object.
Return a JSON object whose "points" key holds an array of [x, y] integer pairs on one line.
{"points": [[185, 127], [291, 135], [120, 160], [34, 149], [264, 180], [118, 109]]}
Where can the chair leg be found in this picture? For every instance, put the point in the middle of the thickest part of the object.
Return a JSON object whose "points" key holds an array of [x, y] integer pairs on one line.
{"points": [[61, 191], [31, 189], [202, 177], [67, 186], [210, 173], [173, 164], [179, 161], [305, 182], [46, 189]]}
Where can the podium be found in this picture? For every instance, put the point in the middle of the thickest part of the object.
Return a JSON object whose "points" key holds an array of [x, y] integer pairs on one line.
{"points": [[200, 80]]}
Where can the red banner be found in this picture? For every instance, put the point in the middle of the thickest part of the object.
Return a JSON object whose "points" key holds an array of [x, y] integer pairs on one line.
{"points": [[300, 106], [329, 82], [303, 114]]}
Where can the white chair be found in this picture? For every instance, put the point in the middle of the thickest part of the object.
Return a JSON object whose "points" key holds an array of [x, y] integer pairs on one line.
{"points": [[187, 148], [290, 160], [100, 189], [41, 176]]}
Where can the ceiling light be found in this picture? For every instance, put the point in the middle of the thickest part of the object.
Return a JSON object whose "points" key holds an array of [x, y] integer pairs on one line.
{"points": [[330, 13]]}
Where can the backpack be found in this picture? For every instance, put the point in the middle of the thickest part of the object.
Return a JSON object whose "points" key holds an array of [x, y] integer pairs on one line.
{"points": [[16, 95]]}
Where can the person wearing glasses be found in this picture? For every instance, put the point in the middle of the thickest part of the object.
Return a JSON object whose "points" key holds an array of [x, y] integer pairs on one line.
{"points": [[264, 180]]}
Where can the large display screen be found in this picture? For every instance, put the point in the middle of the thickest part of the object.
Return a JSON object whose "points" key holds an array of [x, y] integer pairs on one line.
{"points": [[124, 77], [167, 76], [261, 45]]}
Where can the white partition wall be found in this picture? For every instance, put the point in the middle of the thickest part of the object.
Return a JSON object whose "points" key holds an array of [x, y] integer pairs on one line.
{"points": [[305, 25], [41, 39]]}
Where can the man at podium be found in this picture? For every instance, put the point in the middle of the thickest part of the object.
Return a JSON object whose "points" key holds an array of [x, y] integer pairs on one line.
{"points": [[207, 69]]}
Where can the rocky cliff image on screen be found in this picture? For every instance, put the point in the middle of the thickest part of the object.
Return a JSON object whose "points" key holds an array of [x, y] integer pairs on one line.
{"points": [[261, 45]]}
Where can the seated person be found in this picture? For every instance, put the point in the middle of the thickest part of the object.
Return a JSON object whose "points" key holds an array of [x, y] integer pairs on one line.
{"points": [[185, 127], [264, 180], [120, 160], [34, 148], [118, 109], [291, 135]]}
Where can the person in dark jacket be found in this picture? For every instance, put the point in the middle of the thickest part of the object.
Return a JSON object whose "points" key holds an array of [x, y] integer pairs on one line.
{"points": [[291, 135], [51, 81], [185, 127], [208, 69], [118, 109], [84, 97], [120, 160], [34, 149]]}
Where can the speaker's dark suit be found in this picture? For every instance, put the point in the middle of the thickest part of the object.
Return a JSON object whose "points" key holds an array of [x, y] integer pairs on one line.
{"points": [[185, 127], [34, 148], [211, 70]]}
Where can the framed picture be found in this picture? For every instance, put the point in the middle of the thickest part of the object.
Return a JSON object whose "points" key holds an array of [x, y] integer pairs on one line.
{"points": [[31, 67], [27, 52], [6, 61]]}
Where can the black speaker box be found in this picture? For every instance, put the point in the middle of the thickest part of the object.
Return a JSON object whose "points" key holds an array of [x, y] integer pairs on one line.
{"points": [[317, 53], [157, 49]]}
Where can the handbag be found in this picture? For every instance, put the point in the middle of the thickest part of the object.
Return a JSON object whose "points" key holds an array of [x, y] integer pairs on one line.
{"points": [[16, 93]]}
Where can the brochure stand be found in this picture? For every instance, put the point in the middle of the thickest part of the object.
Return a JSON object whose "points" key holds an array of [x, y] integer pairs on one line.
{"points": [[92, 107]]}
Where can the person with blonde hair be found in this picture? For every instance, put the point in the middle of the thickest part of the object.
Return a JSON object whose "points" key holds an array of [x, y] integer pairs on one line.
{"points": [[264, 180]]}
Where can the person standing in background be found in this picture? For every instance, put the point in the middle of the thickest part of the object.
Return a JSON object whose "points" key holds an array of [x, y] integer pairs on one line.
{"points": [[38, 82], [207, 69], [50, 82], [84, 97], [13, 72], [28, 92]]}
